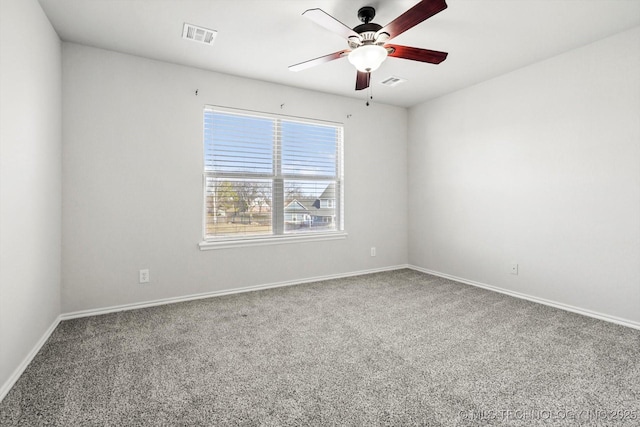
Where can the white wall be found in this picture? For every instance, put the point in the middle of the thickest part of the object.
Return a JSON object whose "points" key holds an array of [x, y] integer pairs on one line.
{"points": [[30, 174], [539, 167], [132, 182]]}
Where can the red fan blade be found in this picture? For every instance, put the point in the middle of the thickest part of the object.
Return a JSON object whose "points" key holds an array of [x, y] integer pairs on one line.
{"points": [[412, 17], [416, 54], [317, 61], [362, 80], [327, 21]]}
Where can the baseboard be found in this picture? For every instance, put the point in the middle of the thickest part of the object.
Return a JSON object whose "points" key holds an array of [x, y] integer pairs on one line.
{"points": [[555, 304], [135, 306], [86, 313], [25, 362], [4, 389]]}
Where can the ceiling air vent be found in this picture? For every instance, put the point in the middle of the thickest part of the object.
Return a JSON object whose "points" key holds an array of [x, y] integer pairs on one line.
{"points": [[393, 81], [198, 34]]}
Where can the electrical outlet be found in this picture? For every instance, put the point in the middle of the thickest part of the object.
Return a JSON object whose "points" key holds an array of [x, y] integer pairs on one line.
{"points": [[373, 251], [144, 276], [514, 269]]}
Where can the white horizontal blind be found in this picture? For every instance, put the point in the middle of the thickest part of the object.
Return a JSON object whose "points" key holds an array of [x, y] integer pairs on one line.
{"points": [[270, 175]]}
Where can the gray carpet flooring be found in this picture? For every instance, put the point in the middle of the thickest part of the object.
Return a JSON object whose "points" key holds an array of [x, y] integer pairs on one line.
{"points": [[393, 348]]}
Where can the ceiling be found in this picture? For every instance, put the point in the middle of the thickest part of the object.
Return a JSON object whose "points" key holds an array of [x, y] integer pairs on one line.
{"points": [[259, 39]]}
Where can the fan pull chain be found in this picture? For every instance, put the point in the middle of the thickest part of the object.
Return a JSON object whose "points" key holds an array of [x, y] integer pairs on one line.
{"points": [[370, 97]]}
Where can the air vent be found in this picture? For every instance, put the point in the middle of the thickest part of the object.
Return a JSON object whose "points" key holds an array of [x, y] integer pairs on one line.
{"points": [[393, 81], [198, 34]]}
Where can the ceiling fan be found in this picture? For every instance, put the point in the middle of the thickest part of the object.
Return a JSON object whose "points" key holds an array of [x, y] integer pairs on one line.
{"points": [[367, 42]]}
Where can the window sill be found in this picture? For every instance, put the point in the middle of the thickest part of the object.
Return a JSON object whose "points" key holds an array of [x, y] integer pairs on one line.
{"points": [[208, 245]]}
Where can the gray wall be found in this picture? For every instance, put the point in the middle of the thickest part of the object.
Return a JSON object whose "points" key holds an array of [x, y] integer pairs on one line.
{"points": [[539, 167], [30, 196], [132, 182]]}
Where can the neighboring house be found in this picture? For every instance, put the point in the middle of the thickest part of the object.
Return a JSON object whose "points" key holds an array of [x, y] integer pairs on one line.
{"points": [[297, 214], [325, 207], [312, 212]]}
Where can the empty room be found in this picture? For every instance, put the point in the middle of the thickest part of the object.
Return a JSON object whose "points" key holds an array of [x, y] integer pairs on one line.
{"points": [[319, 212]]}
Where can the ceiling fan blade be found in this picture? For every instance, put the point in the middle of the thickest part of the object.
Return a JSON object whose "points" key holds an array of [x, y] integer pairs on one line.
{"points": [[412, 17], [327, 21], [416, 54], [362, 80], [317, 61]]}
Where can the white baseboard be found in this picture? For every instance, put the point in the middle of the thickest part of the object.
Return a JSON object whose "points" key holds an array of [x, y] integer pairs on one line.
{"points": [[93, 312], [4, 389], [134, 306], [555, 304]]}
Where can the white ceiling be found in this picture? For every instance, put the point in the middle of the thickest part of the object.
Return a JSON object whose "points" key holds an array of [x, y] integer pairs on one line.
{"points": [[259, 39]]}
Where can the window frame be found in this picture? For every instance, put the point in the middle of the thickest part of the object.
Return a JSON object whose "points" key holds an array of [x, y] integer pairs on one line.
{"points": [[278, 233]]}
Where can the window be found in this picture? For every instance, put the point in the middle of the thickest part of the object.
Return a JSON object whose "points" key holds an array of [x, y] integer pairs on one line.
{"points": [[270, 176], [326, 203]]}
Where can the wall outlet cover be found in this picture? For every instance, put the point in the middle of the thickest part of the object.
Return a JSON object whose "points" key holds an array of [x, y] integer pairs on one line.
{"points": [[144, 276], [514, 269]]}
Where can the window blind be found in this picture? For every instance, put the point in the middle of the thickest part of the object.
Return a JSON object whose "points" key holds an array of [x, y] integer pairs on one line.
{"points": [[268, 175]]}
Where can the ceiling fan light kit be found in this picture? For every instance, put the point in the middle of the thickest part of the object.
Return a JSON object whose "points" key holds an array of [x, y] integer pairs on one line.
{"points": [[367, 41], [368, 58]]}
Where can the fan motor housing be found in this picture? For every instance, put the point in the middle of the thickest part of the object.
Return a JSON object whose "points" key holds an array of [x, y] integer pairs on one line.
{"points": [[369, 27]]}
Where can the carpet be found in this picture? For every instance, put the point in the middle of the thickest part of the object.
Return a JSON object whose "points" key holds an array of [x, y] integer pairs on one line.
{"points": [[391, 348]]}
